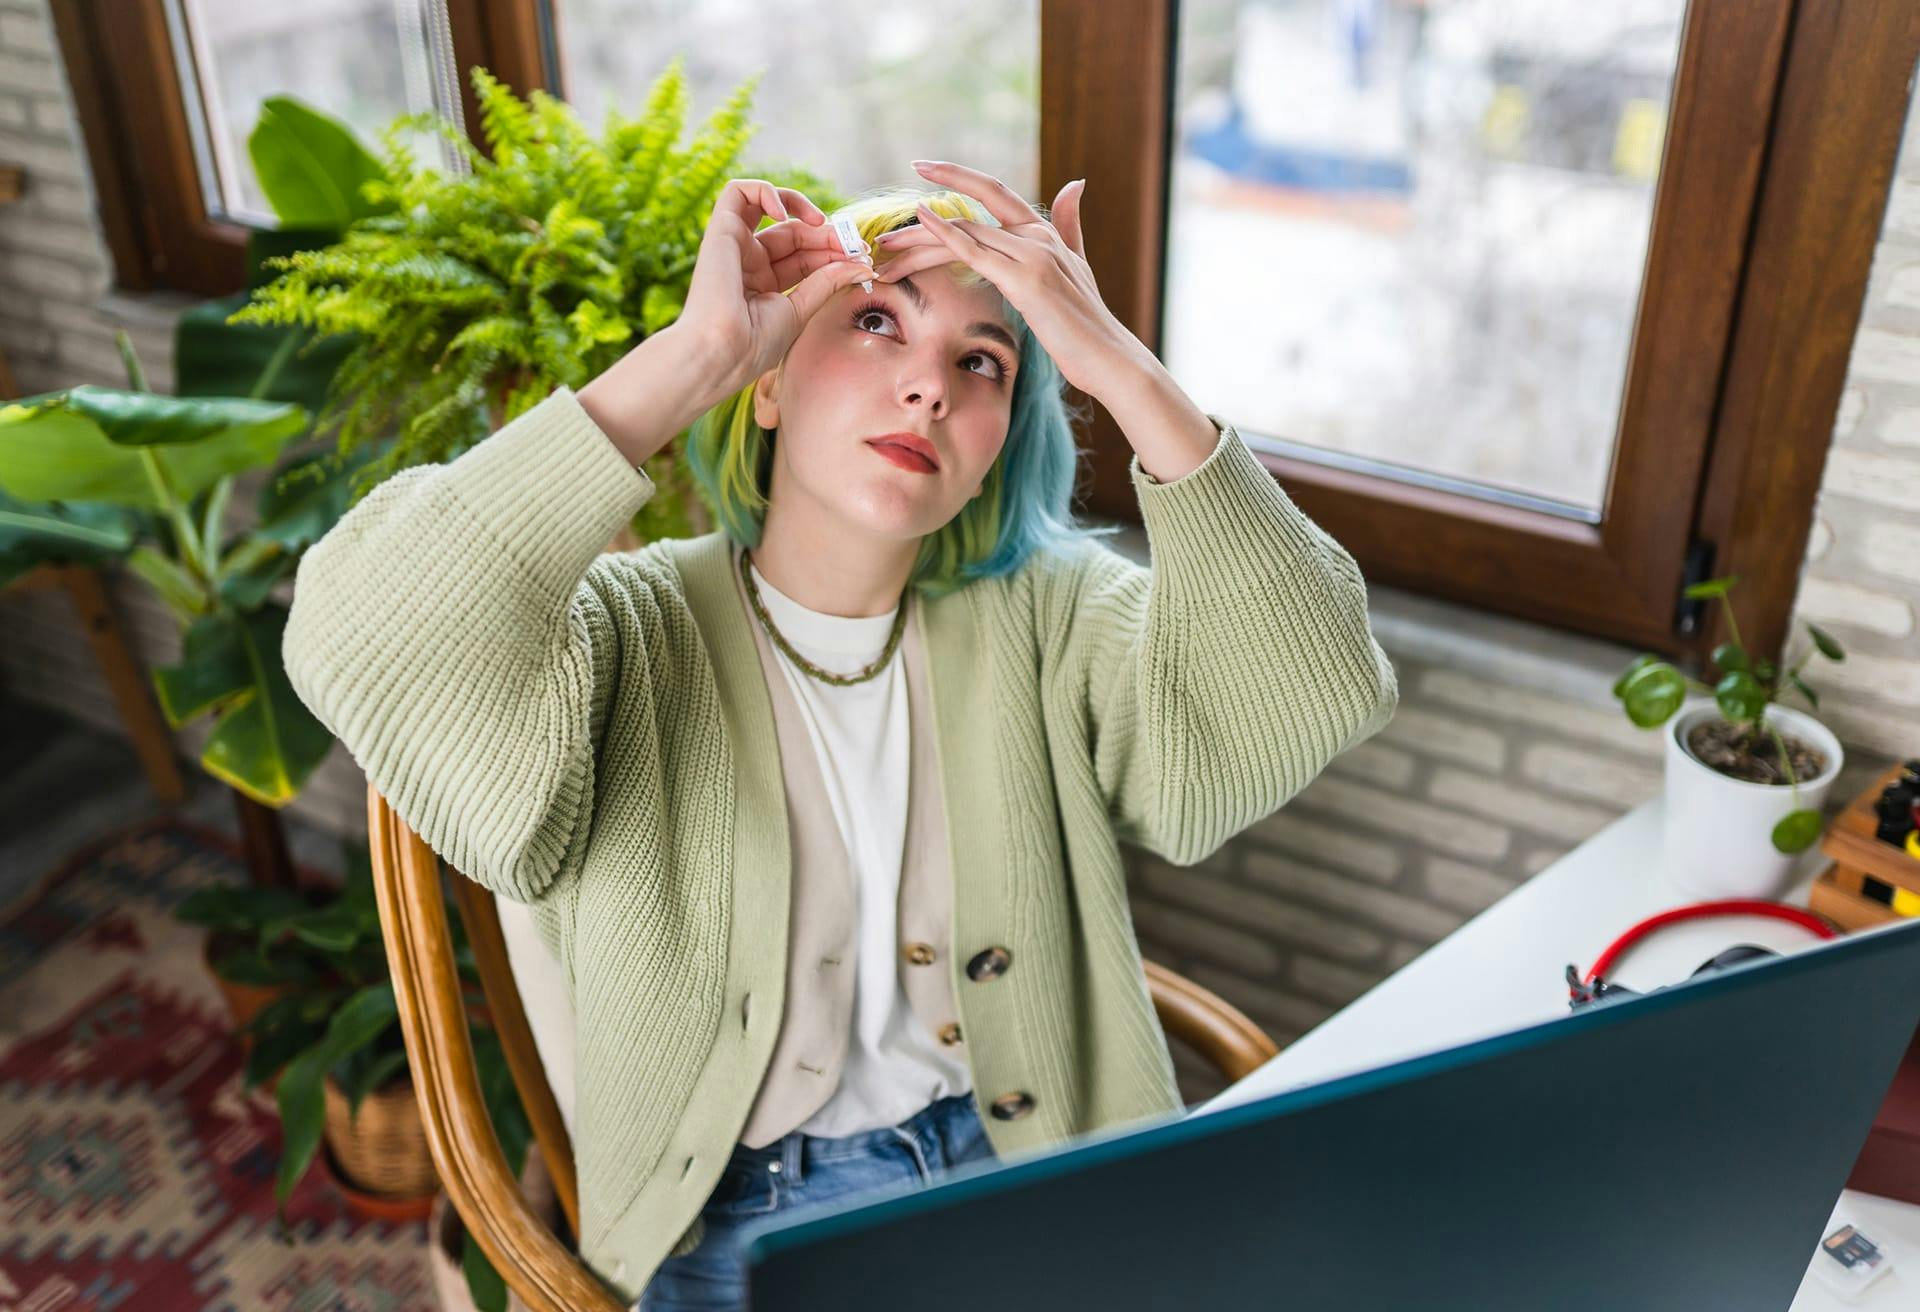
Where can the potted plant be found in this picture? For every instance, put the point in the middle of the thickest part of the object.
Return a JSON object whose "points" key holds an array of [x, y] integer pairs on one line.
{"points": [[1746, 777], [328, 1043], [154, 476], [475, 292], [95, 475], [258, 946]]}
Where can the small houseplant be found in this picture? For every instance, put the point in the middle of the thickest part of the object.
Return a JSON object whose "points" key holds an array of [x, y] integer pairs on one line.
{"points": [[328, 1043], [1746, 777]]}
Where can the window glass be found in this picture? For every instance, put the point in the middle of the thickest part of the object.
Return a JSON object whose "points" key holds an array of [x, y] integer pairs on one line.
{"points": [[1408, 236], [362, 61], [852, 92]]}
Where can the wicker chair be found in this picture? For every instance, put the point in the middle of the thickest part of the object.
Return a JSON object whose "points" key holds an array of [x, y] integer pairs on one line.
{"points": [[533, 1260]]}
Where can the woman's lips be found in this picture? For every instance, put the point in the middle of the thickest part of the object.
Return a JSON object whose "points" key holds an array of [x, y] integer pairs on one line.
{"points": [[902, 457]]}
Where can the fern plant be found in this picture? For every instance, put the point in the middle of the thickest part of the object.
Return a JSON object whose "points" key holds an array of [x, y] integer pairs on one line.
{"points": [[474, 295]]}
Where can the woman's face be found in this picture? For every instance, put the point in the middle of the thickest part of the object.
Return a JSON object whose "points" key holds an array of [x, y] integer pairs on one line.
{"points": [[923, 355]]}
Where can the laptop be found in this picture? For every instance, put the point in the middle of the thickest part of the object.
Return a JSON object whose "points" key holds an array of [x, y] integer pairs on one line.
{"points": [[1682, 1150]]}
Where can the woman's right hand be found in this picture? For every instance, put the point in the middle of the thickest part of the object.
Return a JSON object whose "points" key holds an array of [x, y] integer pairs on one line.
{"points": [[738, 306]]}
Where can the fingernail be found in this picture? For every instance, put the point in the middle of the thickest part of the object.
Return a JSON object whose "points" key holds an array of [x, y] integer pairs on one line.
{"points": [[924, 164]]}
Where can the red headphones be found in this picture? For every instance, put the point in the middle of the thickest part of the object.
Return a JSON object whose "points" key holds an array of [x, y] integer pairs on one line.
{"points": [[1595, 988]]}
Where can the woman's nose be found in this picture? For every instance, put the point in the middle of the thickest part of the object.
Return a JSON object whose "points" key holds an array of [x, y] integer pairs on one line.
{"points": [[923, 386]]}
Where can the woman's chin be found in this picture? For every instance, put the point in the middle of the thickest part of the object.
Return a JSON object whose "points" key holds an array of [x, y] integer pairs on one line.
{"points": [[888, 509]]}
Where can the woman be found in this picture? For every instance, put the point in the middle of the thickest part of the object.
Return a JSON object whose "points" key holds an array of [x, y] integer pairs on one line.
{"points": [[820, 812]]}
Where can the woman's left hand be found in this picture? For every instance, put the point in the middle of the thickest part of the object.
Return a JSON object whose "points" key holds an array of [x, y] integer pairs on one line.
{"points": [[1040, 267]]}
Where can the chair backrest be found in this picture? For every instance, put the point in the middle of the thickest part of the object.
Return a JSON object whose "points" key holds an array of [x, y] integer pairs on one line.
{"points": [[433, 1021], [527, 1002]]}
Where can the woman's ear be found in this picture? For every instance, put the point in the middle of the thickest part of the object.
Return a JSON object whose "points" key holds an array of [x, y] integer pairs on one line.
{"points": [[766, 409]]}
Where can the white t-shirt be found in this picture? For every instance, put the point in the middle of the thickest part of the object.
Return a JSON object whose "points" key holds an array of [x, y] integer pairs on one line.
{"points": [[894, 1067]]}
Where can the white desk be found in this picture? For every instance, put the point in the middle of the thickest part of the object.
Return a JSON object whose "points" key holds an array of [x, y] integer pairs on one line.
{"points": [[1506, 968]]}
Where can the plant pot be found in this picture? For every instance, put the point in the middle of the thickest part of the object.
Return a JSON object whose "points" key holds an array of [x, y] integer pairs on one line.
{"points": [[376, 1207], [1719, 830], [445, 1232], [383, 1150]]}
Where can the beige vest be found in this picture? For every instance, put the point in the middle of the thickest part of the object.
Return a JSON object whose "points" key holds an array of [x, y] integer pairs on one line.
{"points": [[823, 926]]}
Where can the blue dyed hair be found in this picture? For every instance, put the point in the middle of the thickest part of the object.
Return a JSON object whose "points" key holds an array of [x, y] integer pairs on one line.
{"points": [[1027, 494]]}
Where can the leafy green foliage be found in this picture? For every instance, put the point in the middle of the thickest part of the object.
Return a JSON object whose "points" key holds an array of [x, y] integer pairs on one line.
{"points": [[336, 1015], [1650, 690], [1797, 831], [472, 296]]}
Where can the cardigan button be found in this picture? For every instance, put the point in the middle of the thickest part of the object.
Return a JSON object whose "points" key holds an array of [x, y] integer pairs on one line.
{"points": [[950, 1033], [1012, 1106], [989, 963], [920, 954]]}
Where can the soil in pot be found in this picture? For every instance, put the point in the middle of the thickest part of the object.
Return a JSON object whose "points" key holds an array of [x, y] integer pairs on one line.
{"points": [[1724, 747]]}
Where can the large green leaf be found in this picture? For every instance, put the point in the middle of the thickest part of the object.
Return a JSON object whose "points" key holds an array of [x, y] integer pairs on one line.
{"points": [[85, 444], [484, 1284], [267, 362], [213, 670], [311, 166], [306, 497], [251, 571], [33, 533], [176, 585], [301, 1093], [267, 743]]}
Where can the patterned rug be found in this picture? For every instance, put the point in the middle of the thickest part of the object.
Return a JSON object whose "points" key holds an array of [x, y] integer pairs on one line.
{"points": [[135, 1171]]}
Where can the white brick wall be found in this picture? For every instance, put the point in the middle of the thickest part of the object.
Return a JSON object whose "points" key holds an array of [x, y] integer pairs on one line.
{"points": [[1494, 767]]}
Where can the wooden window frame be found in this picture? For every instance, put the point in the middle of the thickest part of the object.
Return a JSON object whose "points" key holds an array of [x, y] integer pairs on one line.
{"points": [[134, 119], [1784, 130]]}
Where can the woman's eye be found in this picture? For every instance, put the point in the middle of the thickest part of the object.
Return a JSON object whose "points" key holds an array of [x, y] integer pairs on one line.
{"points": [[868, 315]]}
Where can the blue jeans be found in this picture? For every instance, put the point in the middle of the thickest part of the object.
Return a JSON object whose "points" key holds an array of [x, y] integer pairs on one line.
{"points": [[799, 1170]]}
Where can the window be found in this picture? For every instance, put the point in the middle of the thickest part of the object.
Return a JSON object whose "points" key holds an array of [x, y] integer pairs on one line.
{"points": [[1543, 307], [167, 90], [854, 101], [357, 59], [1434, 220]]}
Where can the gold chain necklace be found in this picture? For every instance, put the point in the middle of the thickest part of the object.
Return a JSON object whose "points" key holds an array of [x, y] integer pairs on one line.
{"points": [[824, 676]]}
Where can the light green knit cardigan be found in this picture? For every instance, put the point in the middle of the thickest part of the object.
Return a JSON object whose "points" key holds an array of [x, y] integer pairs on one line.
{"points": [[591, 733]]}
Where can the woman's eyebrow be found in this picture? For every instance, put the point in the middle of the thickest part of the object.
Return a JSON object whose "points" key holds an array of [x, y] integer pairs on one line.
{"points": [[983, 328]]}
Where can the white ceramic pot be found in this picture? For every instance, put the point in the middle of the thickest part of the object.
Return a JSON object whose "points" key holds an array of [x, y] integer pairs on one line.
{"points": [[1719, 830]]}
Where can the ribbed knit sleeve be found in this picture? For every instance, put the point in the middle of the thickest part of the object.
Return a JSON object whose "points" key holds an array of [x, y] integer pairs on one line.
{"points": [[1222, 680], [443, 630]]}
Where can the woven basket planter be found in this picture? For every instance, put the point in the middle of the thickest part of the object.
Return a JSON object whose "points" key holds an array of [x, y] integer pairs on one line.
{"points": [[383, 1150]]}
